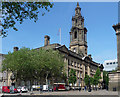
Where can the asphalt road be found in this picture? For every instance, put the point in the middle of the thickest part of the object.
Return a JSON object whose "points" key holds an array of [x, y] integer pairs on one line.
{"points": [[99, 92]]}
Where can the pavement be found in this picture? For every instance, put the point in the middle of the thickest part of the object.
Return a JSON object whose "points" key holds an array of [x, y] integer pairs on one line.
{"points": [[76, 92]]}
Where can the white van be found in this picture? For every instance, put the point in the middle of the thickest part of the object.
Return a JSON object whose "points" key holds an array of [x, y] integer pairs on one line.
{"points": [[45, 88]]}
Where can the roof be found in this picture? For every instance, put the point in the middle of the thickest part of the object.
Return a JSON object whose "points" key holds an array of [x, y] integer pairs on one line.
{"points": [[115, 60], [54, 45], [64, 49]]}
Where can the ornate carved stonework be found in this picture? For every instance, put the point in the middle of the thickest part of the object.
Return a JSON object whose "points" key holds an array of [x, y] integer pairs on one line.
{"points": [[78, 34]]}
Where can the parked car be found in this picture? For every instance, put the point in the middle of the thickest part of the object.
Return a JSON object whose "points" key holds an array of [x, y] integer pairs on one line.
{"points": [[45, 87], [41, 87], [9, 89], [59, 86], [37, 87], [6, 89], [50, 88], [67, 87], [0, 89], [13, 89], [22, 89]]}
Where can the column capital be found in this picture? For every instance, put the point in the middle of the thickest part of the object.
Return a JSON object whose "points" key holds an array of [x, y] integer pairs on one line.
{"points": [[117, 28]]}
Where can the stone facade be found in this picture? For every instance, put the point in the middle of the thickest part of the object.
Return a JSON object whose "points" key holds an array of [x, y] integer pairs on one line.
{"points": [[78, 34], [114, 81], [76, 57], [82, 65], [4, 76]]}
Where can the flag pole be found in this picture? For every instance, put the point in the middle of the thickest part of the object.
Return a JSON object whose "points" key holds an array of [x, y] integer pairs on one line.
{"points": [[60, 35]]}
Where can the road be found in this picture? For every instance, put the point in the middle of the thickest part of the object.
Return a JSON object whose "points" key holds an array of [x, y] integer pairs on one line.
{"points": [[99, 92]]}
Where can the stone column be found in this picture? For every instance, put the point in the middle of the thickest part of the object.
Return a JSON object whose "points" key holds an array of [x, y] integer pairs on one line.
{"points": [[88, 70], [114, 78], [66, 66], [117, 29], [83, 76]]}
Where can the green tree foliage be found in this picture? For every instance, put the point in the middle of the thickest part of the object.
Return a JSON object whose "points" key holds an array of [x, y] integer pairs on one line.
{"points": [[93, 80], [97, 77], [34, 64], [88, 80], [105, 79], [18, 11], [72, 76]]}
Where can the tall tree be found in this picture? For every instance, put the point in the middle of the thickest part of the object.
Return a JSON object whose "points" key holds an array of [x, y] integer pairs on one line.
{"points": [[19, 62], [72, 77], [88, 80], [18, 11], [105, 79], [97, 77], [29, 65]]}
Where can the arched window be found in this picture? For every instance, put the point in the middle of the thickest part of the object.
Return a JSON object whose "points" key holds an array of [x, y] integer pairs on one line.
{"points": [[76, 20], [75, 35]]}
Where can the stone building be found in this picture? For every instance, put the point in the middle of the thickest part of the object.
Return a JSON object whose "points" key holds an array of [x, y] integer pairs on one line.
{"points": [[76, 56], [4, 79], [110, 65]]}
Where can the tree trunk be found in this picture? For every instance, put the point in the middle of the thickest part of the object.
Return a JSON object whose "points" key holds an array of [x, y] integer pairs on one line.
{"points": [[47, 79]]}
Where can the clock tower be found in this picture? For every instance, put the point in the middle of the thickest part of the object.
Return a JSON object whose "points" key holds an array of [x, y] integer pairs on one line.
{"points": [[78, 34]]}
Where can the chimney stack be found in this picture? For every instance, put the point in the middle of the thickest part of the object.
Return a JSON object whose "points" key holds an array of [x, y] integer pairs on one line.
{"points": [[15, 49], [47, 40]]}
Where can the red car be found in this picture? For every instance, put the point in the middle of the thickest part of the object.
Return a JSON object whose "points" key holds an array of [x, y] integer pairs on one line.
{"points": [[6, 89], [9, 89], [59, 86]]}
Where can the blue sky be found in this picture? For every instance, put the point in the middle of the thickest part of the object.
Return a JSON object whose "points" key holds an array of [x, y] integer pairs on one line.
{"points": [[99, 18]]}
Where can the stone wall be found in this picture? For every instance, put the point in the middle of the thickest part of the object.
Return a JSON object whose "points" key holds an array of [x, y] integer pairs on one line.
{"points": [[114, 81]]}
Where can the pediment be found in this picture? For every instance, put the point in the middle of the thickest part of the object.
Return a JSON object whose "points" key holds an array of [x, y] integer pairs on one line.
{"points": [[86, 58], [63, 48]]}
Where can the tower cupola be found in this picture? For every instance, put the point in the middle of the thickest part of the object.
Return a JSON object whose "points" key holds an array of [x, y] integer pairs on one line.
{"points": [[78, 34], [78, 10]]}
